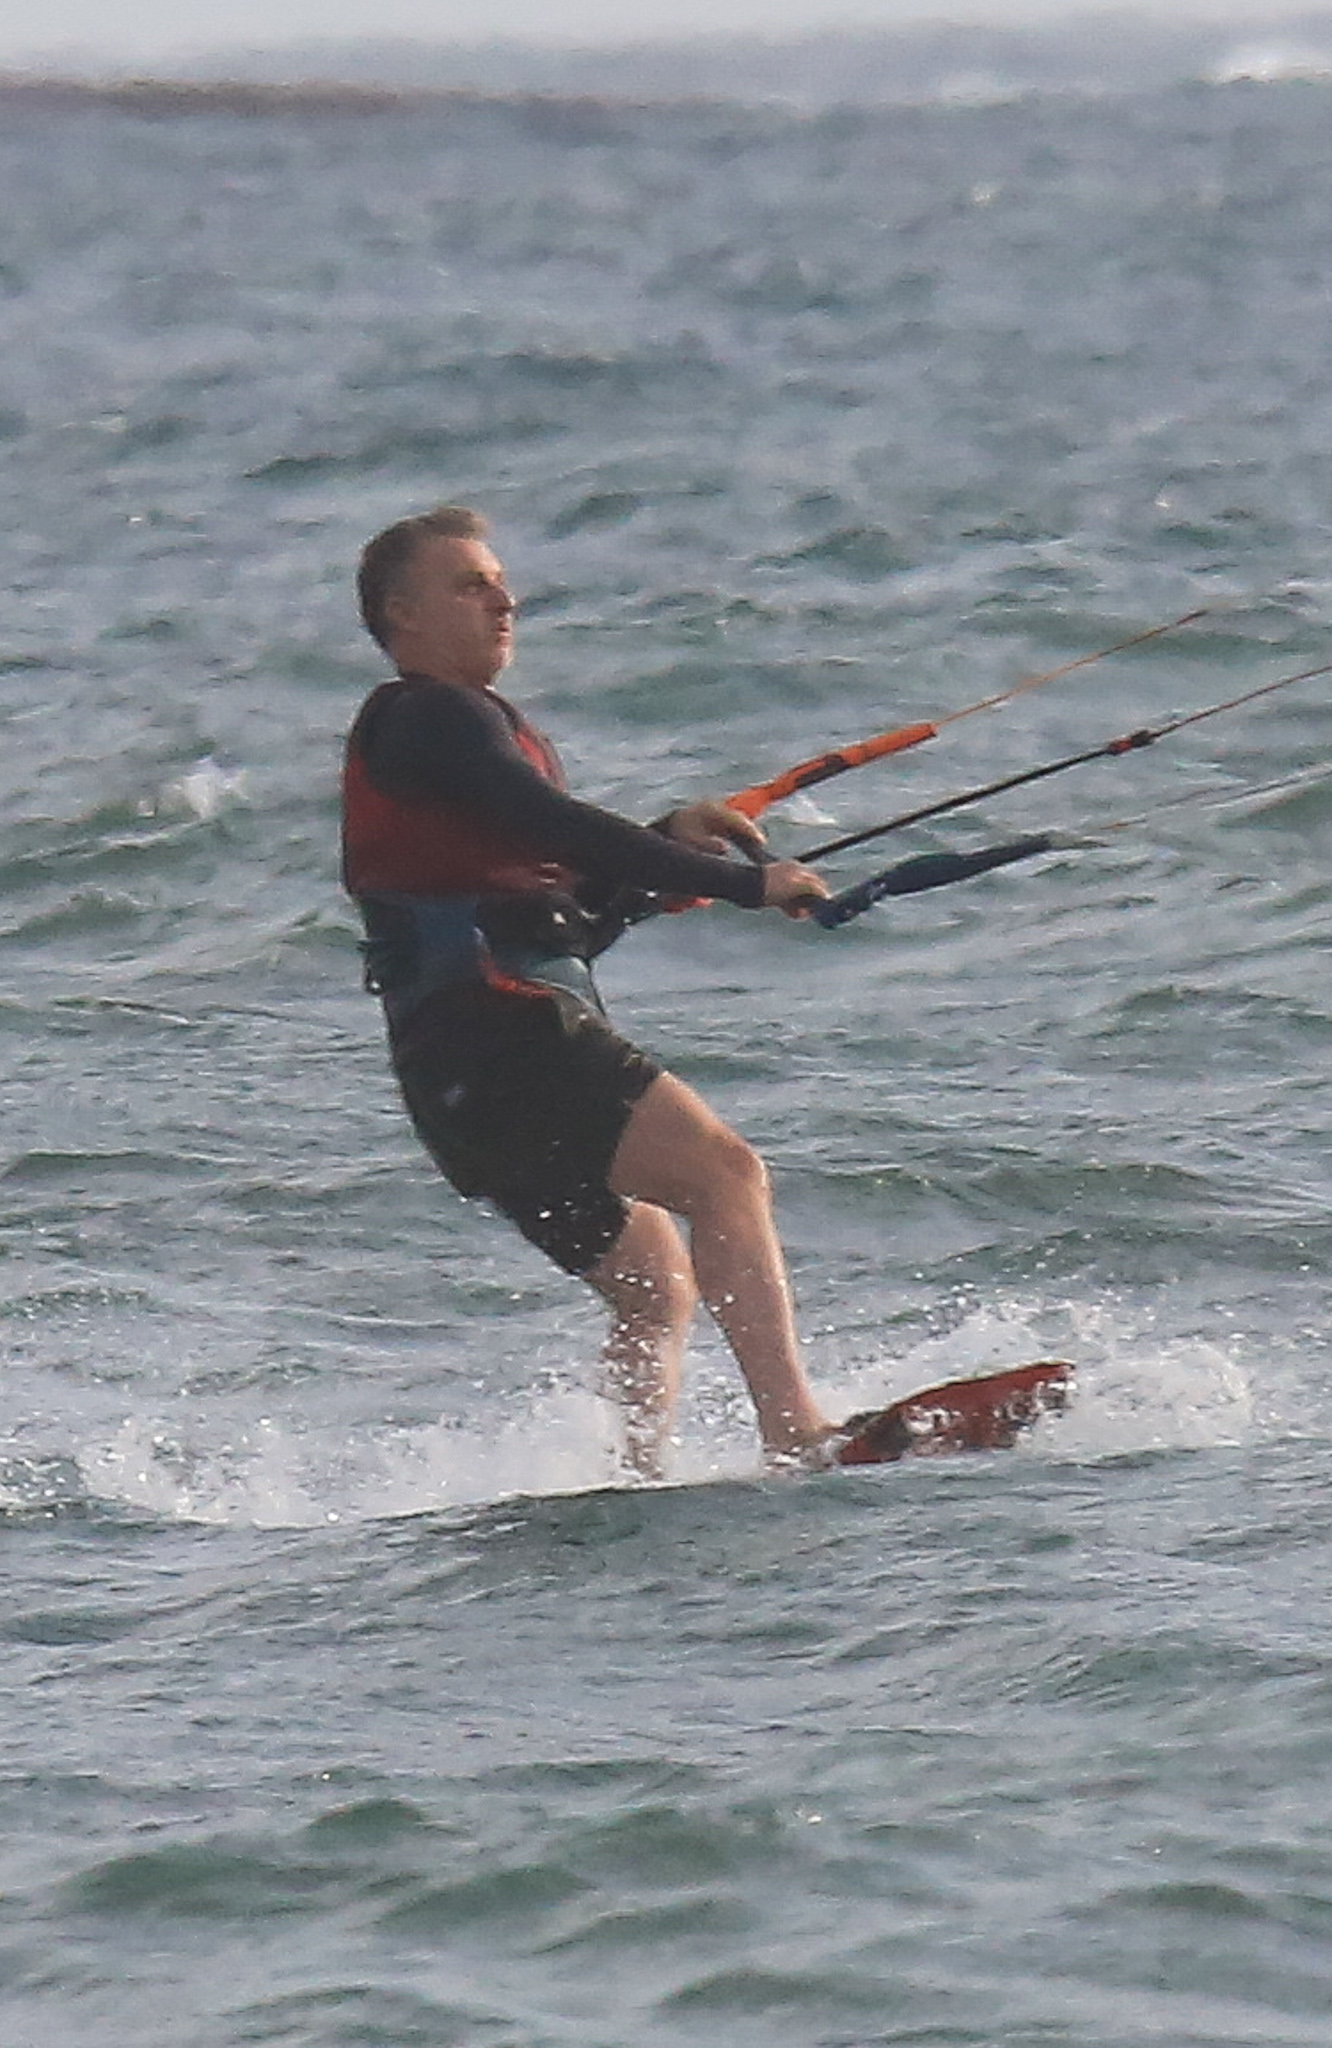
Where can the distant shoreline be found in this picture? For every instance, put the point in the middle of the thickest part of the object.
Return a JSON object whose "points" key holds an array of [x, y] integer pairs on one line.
{"points": [[1121, 50], [164, 97], [168, 98]]}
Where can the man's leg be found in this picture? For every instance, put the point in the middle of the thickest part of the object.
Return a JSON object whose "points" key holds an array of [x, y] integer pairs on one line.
{"points": [[677, 1154], [646, 1279]]}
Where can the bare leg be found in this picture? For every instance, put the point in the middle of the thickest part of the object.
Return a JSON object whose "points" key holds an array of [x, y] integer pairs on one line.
{"points": [[676, 1153], [646, 1279]]}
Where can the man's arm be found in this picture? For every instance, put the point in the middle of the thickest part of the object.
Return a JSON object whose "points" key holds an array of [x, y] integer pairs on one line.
{"points": [[437, 743]]}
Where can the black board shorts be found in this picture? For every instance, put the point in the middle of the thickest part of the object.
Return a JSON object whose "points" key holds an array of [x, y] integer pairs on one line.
{"points": [[523, 1099]]}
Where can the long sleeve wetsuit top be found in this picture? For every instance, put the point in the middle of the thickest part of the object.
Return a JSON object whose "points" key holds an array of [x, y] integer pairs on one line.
{"points": [[450, 790]]}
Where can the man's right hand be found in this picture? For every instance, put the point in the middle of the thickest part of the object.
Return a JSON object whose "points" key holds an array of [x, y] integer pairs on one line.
{"points": [[792, 889]]}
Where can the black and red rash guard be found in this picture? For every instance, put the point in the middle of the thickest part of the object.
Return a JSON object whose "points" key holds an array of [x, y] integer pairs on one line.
{"points": [[449, 791]]}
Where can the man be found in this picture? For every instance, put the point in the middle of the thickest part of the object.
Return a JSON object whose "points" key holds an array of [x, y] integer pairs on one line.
{"points": [[486, 890]]}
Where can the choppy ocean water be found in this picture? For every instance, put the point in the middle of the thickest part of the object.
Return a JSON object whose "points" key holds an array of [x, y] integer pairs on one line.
{"points": [[348, 1699]]}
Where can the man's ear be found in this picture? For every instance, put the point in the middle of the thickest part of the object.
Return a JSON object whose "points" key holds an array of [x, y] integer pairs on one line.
{"points": [[397, 610]]}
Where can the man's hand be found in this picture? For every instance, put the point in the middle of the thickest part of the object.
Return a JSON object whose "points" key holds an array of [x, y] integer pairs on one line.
{"points": [[790, 888], [711, 827], [716, 828]]}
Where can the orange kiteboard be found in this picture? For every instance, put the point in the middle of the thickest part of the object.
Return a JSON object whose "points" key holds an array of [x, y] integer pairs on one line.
{"points": [[987, 1414]]}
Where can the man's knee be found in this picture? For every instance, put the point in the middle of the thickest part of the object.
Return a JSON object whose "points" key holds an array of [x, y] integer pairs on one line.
{"points": [[678, 1155], [720, 1175], [736, 1168]]}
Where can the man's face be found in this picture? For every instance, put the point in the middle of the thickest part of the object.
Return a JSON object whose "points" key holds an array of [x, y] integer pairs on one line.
{"points": [[453, 616]]}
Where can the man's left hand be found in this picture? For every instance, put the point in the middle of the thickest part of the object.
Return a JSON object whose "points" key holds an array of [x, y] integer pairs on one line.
{"points": [[712, 827]]}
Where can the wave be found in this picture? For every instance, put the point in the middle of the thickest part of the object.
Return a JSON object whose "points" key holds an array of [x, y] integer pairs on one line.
{"points": [[1272, 63], [1139, 1392]]}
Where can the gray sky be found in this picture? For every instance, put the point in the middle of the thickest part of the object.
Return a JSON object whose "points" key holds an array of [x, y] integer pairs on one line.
{"points": [[134, 30]]}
